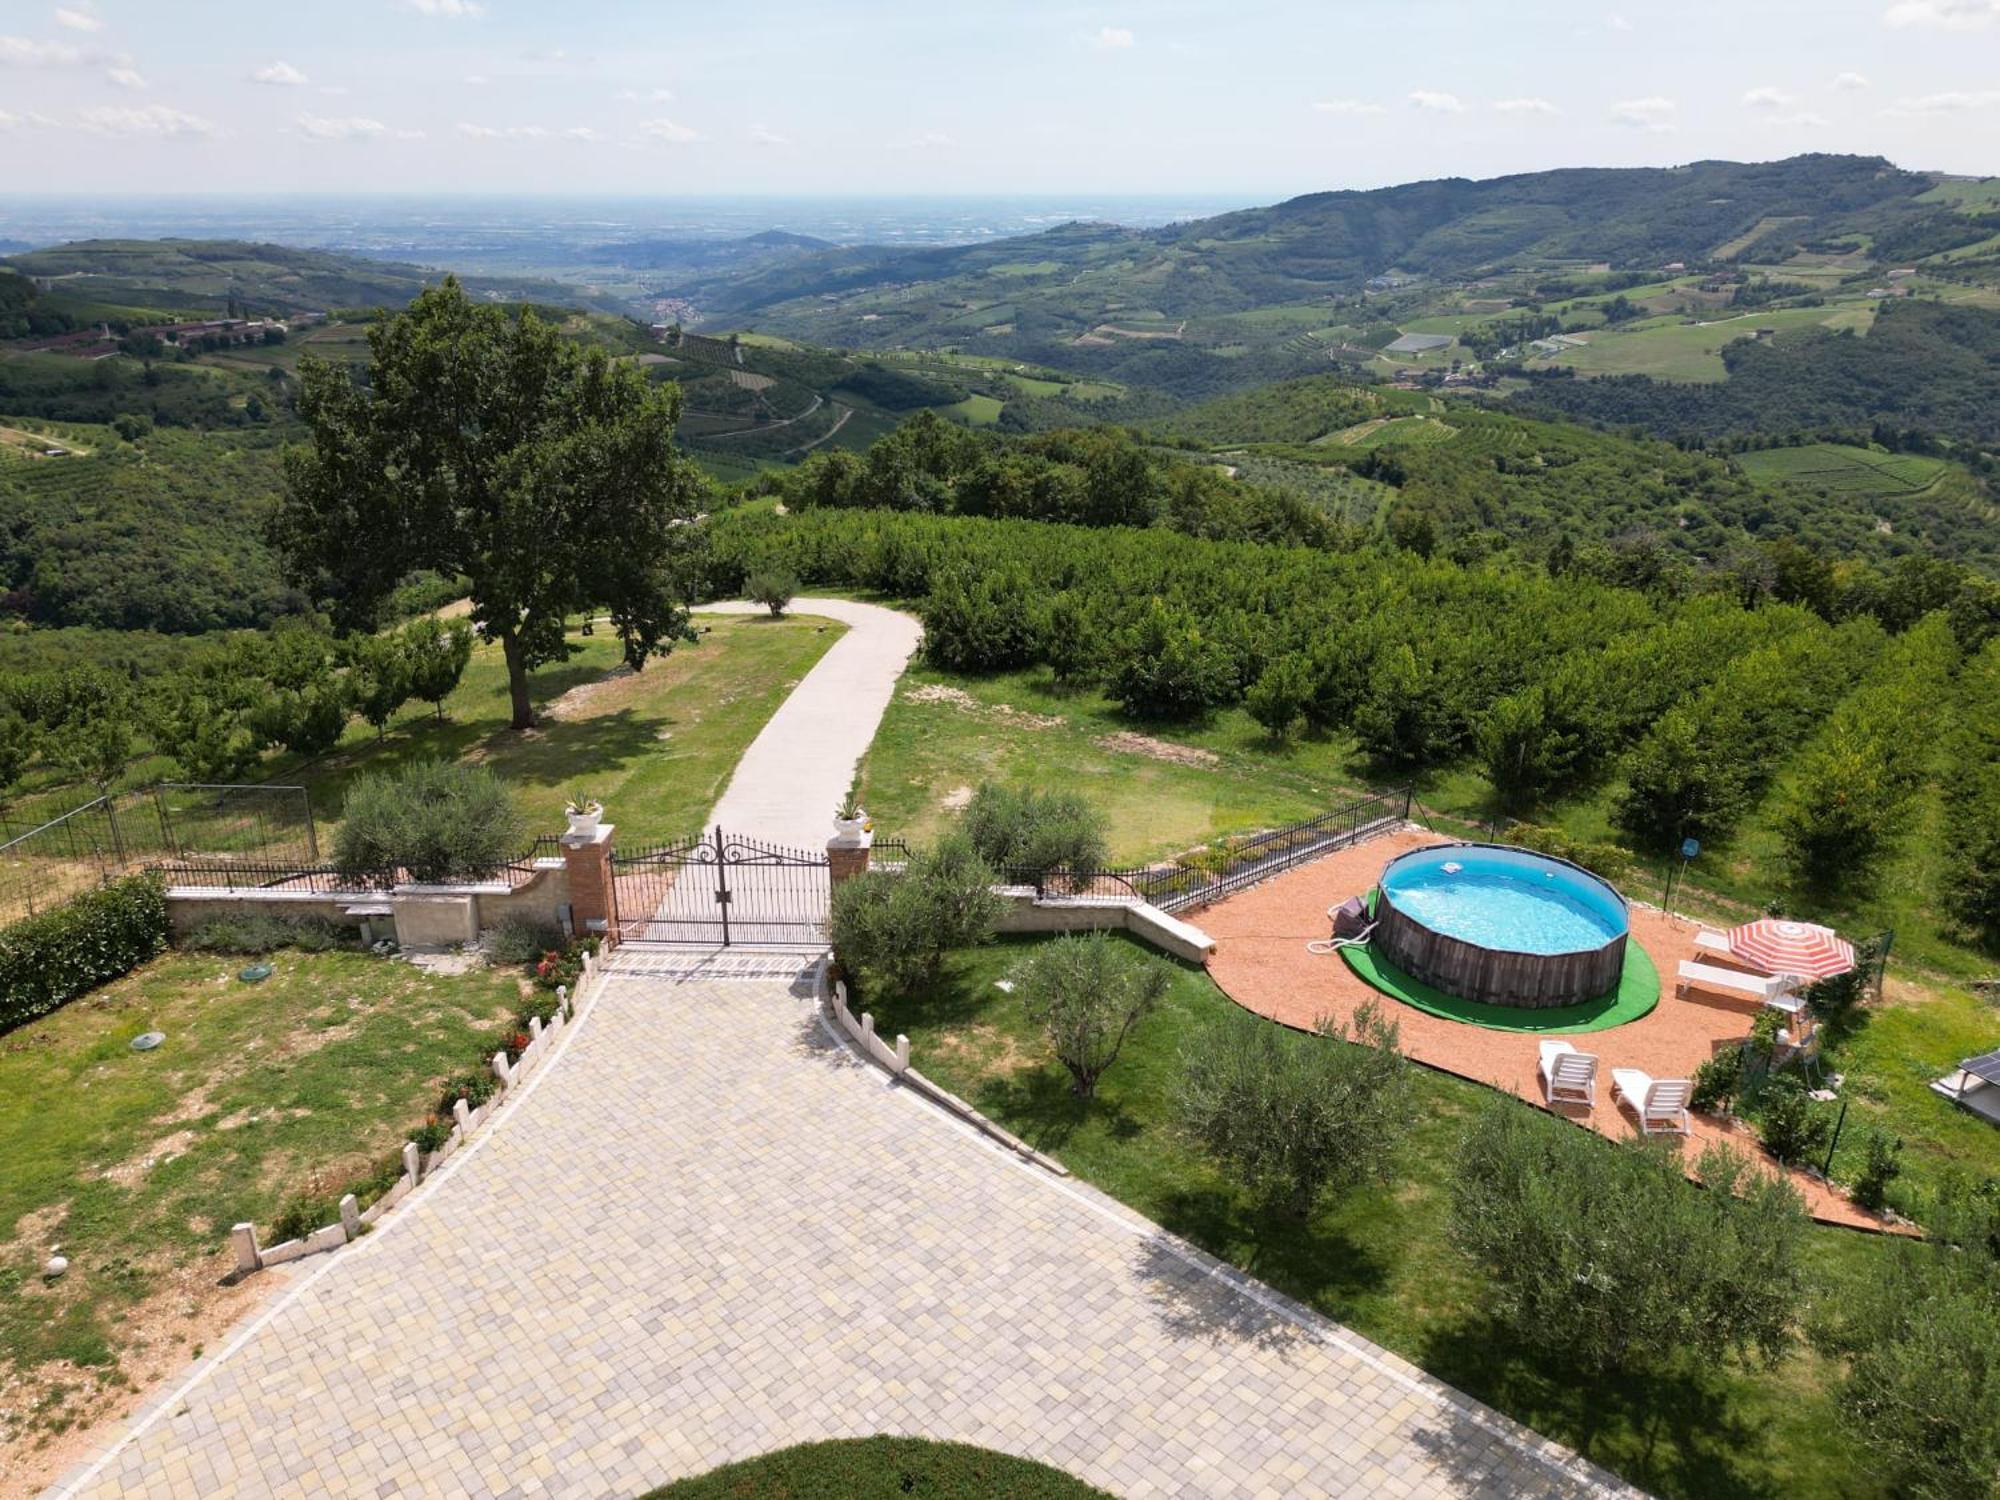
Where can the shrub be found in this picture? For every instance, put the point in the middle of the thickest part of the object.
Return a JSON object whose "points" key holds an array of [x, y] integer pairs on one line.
{"points": [[773, 588], [1922, 1389], [1087, 993], [521, 941], [302, 1213], [435, 820], [1600, 1254], [1278, 699], [252, 933], [47, 961], [1881, 1164], [1021, 829], [1717, 1080], [1297, 1116], [1165, 667], [894, 929], [475, 1086], [1793, 1127], [436, 654]]}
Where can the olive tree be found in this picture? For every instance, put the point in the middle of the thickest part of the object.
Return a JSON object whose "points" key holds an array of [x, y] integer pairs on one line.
{"points": [[483, 445], [1297, 1116], [1602, 1255], [434, 820], [436, 653], [1088, 993], [893, 927]]}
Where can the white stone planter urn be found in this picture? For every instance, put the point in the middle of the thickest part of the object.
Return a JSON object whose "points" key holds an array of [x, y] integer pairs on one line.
{"points": [[583, 822], [851, 829]]}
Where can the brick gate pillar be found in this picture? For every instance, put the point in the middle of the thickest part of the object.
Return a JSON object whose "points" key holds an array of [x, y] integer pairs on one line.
{"points": [[847, 855], [592, 903]]}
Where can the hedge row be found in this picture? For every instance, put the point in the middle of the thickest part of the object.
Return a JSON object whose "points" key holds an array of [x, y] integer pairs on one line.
{"points": [[47, 961]]}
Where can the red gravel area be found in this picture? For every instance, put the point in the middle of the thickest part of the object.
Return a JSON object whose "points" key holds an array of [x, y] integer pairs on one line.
{"points": [[1261, 963]]}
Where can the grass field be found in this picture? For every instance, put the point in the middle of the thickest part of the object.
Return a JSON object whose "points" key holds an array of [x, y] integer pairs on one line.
{"points": [[1391, 432], [1671, 350], [1379, 1260], [979, 410], [137, 1163], [655, 748], [1843, 470], [944, 734]]}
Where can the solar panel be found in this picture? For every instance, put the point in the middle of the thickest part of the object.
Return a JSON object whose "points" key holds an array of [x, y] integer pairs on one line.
{"points": [[1987, 1067]]}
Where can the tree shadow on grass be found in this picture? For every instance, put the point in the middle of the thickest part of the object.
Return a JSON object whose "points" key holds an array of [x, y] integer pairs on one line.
{"points": [[1040, 1107], [1308, 1259], [1672, 1431]]}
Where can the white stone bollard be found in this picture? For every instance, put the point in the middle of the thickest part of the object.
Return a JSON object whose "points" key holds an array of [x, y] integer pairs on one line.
{"points": [[868, 1032], [500, 1069], [350, 1217], [562, 997], [462, 1113], [534, 1030], [413, 1162], [902, 1053], [244, 1238]]}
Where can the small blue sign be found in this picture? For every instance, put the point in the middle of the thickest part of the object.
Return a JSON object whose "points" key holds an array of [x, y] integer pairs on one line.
{"points": [[1690, 848]]}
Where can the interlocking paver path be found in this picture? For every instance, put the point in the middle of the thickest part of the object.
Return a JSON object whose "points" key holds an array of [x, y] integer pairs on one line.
{"points": [[705, 1231]]}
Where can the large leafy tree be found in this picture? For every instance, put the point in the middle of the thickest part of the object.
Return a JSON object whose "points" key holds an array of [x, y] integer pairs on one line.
{"points": [[486, 447]]}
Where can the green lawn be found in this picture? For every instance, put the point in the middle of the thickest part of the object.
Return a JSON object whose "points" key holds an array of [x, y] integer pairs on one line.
{"points": [[1378, 1260], [944, 734], [656, 748], [137, 1163], [877, 1468], [979, 410]]}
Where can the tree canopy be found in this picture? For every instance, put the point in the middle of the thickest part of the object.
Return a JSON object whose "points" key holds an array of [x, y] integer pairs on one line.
{"points": [[488, 448]]}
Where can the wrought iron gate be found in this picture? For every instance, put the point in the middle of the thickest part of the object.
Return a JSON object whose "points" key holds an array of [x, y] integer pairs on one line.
{"points": [[718, 890]]}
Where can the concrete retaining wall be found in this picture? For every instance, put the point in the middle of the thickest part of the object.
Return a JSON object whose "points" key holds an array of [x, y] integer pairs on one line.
{"points": [[1144, 921], [423, 916]]}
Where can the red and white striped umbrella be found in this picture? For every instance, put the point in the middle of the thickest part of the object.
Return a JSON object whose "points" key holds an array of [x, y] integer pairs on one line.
{"points": [[1804, 949]]}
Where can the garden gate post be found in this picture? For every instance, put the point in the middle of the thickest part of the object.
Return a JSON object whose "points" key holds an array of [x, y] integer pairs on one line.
{"points": [[847, 856], [593, 898]]}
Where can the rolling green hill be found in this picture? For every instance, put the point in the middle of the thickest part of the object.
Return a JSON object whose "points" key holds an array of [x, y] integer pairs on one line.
{"points": [[1244, 297], [206, 276]]}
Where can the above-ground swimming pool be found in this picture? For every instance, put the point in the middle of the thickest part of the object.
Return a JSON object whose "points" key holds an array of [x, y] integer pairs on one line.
{"points": [[1501, 925]]}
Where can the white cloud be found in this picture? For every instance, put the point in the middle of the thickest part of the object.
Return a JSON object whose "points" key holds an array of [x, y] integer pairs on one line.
{"points": [[1116, 38], [930, 140], [668, 132], [1645, 114], [280, 74], [1943, 15], [1768, 98], [502, 132], [582, 133], [1851, 81], [450, 10], [33, 118], [1526, 107], [763, 135], [1438, 103], [1346, 107], [126, 78], [1617, 22], [341, 128], [1945, 104], [19, 52], [153, 119], [633, 96], [78, 18]]}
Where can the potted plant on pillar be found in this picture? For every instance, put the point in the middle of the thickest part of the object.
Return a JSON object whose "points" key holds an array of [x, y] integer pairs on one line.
{"points": [[850, 821], [584, 813]]}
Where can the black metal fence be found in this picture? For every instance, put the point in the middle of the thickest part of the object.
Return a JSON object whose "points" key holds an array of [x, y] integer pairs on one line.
{"points": [[1221, 870], [112, 835], [325, 879]]}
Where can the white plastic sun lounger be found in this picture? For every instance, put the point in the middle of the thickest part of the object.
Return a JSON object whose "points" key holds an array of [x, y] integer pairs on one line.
{"points": [[1660, 1103], [1765, 987], [1568, 1076]]}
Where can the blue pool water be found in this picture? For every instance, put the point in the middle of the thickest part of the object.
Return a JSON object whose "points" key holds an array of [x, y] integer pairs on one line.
{"points": [[1505, 899]]}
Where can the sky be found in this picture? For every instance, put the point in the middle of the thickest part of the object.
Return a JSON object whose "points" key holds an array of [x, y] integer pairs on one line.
{"points": [[1251, 99]]}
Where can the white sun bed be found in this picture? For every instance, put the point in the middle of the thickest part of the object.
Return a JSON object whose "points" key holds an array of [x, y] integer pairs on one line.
{"points": [[1660, 1103], [1568, 1076]]}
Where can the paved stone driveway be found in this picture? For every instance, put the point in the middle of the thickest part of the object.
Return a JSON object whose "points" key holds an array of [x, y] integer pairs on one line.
{"points": [[706, 1231]]}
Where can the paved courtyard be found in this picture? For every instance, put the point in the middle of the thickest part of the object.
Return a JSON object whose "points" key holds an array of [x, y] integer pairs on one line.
{"points": [[705, 1231]]}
